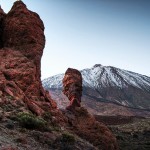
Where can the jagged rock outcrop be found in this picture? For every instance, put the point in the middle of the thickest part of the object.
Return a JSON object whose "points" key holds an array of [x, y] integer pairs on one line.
{"points": [[85, 126], [72, 83], [80, 121], [23, 41]]}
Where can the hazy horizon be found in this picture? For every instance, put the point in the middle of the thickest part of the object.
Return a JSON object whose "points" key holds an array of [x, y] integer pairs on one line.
{"points": [[82, 33]]}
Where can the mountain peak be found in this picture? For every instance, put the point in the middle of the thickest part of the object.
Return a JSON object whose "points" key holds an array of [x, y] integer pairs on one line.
{"points": [[117, 85], [97, 65]]}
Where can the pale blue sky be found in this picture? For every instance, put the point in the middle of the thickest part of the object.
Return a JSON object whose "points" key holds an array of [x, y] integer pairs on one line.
{"points": [[81, 33]]}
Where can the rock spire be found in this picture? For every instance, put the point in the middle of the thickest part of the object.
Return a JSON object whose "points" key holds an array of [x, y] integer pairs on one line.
{"points": [[72, 83], [22, 43]]}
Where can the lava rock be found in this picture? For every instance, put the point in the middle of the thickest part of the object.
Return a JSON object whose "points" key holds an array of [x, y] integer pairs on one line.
{"points": [[21, 50], [72, 83]]}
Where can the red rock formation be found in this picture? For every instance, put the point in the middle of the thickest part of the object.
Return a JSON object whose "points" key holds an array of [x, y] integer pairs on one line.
{"points": [[85, 126], [2, 15], [79, 120], [24, 31], [20, 58], [72, 83]]}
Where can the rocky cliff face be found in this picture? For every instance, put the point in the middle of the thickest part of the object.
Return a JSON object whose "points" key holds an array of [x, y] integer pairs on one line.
{"points": [[22, 43]]}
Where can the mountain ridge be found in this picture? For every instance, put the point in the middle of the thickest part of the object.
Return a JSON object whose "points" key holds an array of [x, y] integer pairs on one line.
{"points": [[119, 86], [83, 71]]}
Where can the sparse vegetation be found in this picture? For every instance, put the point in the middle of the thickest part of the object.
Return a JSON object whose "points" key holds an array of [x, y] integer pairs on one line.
{"points": [[47, 116], [65, 142], [134, 135], [68, 138], [31, 121]]}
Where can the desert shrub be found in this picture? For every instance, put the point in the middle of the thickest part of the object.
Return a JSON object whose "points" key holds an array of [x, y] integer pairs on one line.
{"points": [[64, 142], [68, 138], [9, 97], [83, 112], [47, 116], [7, 107], [31, 121]]}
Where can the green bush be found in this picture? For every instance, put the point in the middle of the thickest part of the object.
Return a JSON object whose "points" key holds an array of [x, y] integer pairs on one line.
{"points": [[68, 138], [47, 116], [31, 121]]}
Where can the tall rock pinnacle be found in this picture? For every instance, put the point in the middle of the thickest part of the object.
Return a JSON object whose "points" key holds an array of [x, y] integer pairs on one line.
{"points": [[22, 43], [24, 31], [72, 83]]}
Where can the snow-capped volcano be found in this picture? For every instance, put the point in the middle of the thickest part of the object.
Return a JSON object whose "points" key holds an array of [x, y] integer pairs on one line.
{"points": [[104, 76], [110, 84]]}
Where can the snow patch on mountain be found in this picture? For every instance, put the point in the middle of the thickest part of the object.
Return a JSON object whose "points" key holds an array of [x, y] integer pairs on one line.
{"points": [[103, 76], [53, 82]]}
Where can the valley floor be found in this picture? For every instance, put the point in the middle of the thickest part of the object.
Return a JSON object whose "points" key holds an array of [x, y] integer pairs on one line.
{"points": [[131, 133]]}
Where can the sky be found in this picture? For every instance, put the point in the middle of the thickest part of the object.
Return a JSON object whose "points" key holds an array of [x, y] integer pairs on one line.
{"points": [[82, 33]]}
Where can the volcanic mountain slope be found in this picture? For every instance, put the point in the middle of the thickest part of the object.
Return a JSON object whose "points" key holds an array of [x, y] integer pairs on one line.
{"points": [[106, 84]]}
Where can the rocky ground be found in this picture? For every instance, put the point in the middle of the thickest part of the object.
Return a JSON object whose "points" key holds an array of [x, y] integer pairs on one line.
{"points": [[28, 132], [132, 133], [17, 134], [133, 136]]}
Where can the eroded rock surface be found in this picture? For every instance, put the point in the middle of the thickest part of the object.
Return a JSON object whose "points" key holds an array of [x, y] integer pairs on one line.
{"points": [[80, 121], [22, 43], [72, 83], [85, 126]]}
